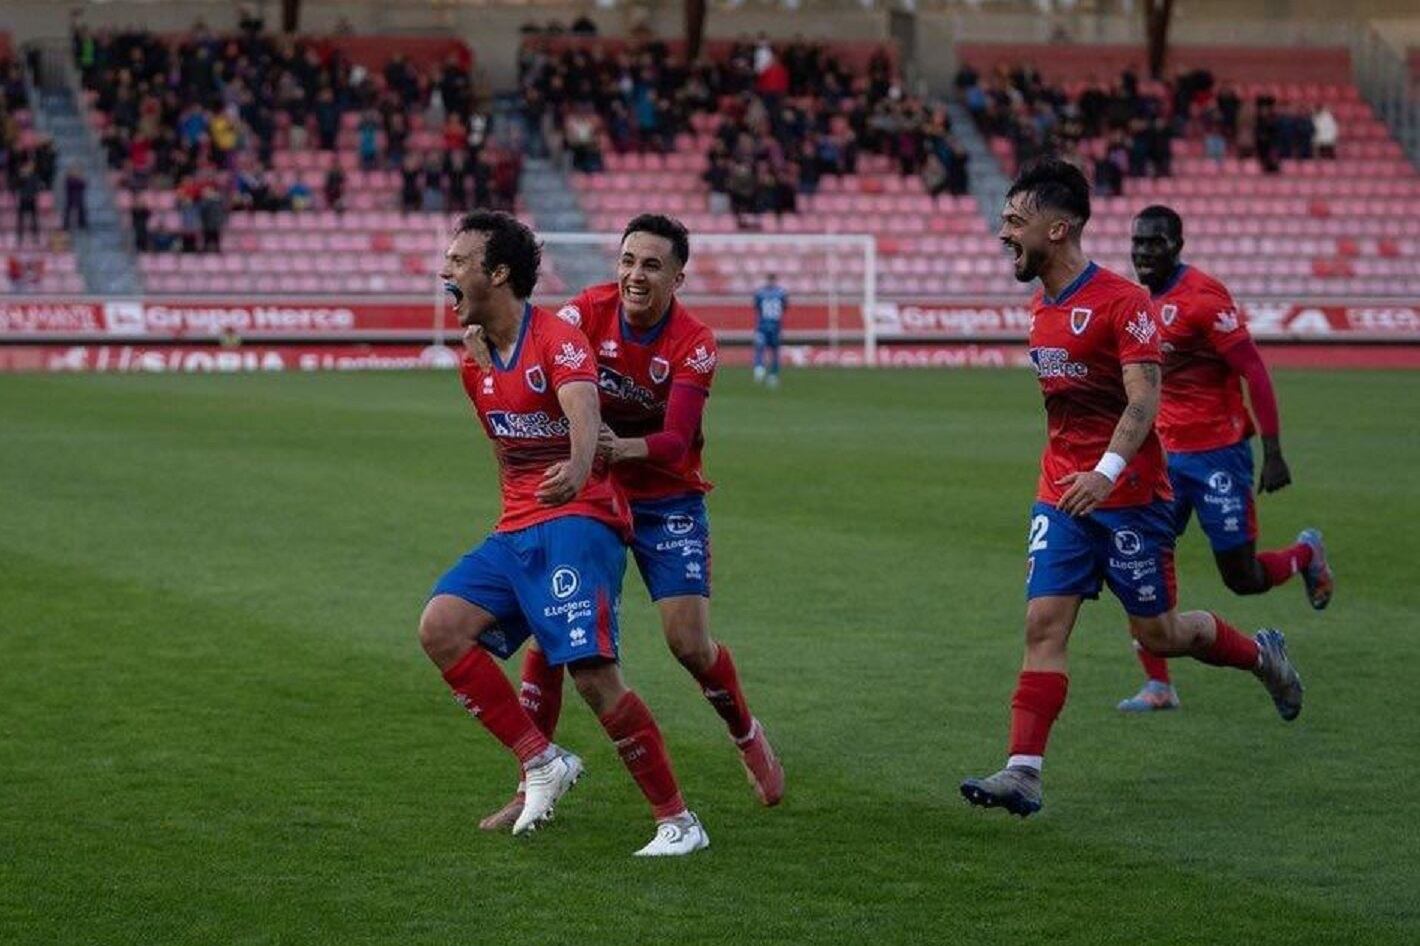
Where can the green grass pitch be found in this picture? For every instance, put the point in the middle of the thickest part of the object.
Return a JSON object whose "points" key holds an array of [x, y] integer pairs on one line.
{"points": [[216, 725]]}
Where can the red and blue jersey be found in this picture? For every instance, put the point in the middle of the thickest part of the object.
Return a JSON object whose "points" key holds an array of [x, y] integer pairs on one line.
{"points": [[1080, 342], [1203, 407], [636, 371], [518, 407]]}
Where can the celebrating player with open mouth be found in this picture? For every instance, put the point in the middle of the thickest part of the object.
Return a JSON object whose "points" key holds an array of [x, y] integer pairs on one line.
{"points": [[1204, 425], [656, 362], [1102, 513], [553, 566]]}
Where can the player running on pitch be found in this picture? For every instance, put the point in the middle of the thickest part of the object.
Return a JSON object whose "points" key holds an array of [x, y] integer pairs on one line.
{"points": [[656, 362], [553, 566], [771, 303], [1204, 426], [1102, 514]]}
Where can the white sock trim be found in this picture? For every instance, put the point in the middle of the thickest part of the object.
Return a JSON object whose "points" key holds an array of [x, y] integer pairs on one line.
{"points": [[1028, 761]]}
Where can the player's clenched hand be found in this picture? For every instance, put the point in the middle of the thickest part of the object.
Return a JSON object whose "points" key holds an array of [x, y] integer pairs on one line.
{"points": [[560, 484], [606, 444], [477, 347], [1275, 473], [1086, 491]]}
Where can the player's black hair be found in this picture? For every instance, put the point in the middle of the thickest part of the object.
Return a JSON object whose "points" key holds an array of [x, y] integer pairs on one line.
{"points": [[1057, 184], [662, 226], [509, 243], [1166, 214]]}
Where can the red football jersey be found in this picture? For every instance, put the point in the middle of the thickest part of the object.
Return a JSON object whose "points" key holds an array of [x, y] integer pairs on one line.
{"points": [[636, 372], [1080, 343], [1203, 406], [518, 406]]}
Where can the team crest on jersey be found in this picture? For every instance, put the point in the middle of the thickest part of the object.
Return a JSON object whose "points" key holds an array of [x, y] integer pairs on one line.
{"points": [[660, 369], [570, 314], [1227, 321], [571, 357], [1080, 320], [608, 349], [536, 379], [702, 362], [1167, 313], [1141, 326]]}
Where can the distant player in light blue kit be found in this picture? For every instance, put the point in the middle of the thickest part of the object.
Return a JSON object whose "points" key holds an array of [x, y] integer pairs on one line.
{"points": [[770, 304]]}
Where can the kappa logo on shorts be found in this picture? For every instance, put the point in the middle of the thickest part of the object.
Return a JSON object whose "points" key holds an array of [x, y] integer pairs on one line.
{"points": [[693, 570], [578, 636], [680, 524], [660, 369], [1128, 542], [1080, 320], [1167, 313], [536, 379], [1147, 593], [565, 582], [1220, 482]]}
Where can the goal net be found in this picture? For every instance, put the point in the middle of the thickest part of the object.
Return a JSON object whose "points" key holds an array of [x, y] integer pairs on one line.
{"points": [[831, 281]]}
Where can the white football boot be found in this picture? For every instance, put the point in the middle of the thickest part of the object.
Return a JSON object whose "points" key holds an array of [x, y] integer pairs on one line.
{"points": [[683, 834], [547, 783]]}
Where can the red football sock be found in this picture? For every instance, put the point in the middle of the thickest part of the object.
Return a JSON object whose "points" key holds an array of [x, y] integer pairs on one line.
{"points": [[480, 686], [541, 693], [1155, 668], [721, 686], [638, 739], [1284, 563], [1039, 697], [1230, 648]]}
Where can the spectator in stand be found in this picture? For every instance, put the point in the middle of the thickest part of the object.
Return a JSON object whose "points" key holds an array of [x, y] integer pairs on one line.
{"points": [[212, 214], [433, 199], [583, 127], [368, 141], [140, 214], [1325, 133], [27, 190], [76, 187], [189, 218], [410, 190], [327, 114], [335, 190], [456, 174], [396, 137], [1267, 135]]}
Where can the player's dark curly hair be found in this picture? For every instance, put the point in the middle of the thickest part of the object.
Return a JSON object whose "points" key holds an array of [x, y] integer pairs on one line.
{"points": [[509, 243], [1057, 184], [662, 226], [1166, 214]]}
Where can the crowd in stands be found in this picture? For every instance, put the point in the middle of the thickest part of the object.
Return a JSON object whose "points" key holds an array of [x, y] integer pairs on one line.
{"points": [[1126, 128], [784, 117], [206, 115], [28, 161]]}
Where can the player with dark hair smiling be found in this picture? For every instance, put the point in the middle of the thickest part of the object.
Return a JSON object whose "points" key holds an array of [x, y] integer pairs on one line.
{"points": [[1102, 511], [1205, 426]]}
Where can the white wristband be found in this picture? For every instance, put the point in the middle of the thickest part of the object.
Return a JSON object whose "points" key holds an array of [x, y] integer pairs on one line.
{"points": [[1110, 466]]}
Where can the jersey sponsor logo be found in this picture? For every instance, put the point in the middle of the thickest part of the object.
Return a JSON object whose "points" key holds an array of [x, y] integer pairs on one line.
{"points": [[1128, 542], [1080, 320], [624, 388], [1056, 363], [570, 314], [1220, 482], [565, 582], [1227, 322], [1141, 326], [1167, 313], [536, 425], [608, 349], [536, 379], [702, 361], [660, 369], [571, 356], [678, 523]]}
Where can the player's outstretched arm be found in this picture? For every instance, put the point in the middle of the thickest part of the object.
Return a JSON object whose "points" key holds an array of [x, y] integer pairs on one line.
{"points": [[563, 481], [684, 409], [1246, 360], [1090, 488]]}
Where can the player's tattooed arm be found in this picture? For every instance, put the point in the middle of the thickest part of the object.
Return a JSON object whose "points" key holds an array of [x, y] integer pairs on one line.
{"points": [[1086, 489], [1142, 385]]}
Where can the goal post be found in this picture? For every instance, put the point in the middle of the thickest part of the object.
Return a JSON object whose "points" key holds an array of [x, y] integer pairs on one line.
{"points": [[831, 280]]}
